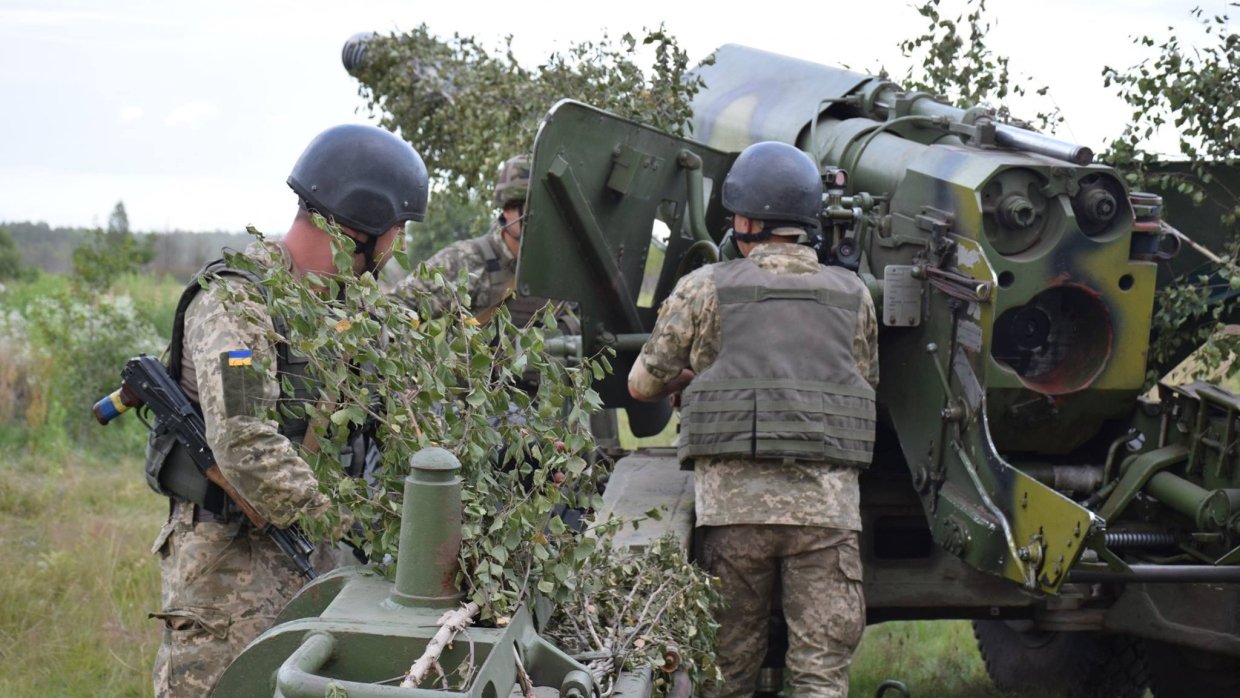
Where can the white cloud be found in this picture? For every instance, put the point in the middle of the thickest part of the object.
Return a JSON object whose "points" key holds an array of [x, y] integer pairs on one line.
{"points": [[128, 115], [192, 115]]}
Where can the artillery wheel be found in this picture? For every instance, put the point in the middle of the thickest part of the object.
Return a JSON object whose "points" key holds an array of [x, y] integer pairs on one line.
{"points": [[1069, 664], [1182, 671]]}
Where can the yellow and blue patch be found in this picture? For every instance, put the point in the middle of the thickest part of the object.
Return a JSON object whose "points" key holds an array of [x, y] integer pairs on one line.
{"points": [[241, 357]]}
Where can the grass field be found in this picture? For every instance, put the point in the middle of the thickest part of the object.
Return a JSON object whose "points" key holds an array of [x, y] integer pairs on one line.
{"points": [[76, 576]]}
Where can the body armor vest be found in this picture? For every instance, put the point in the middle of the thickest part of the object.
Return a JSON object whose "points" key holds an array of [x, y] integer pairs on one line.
{"points": [[169, 469], [785, 384]]}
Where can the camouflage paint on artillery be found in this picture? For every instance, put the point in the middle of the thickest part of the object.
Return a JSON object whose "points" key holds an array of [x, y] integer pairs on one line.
{"points": [[1017, 271], [594, 221], [1014, 275]]}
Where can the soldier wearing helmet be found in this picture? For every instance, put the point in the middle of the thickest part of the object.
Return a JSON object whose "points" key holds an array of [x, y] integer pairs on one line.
{"points": [[488, 261], [774, 358], [224, 582]]}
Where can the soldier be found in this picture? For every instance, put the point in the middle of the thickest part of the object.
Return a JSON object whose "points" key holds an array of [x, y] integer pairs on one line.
{"points": [[776, 356], [224, 582], [490, 261]]}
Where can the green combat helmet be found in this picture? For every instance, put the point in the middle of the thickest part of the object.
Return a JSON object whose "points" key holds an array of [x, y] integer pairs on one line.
{"points": [[512, 183]]}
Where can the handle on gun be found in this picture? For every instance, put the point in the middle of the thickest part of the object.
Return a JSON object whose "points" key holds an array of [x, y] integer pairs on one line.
{"points": [[115, 404], [295, 546]]}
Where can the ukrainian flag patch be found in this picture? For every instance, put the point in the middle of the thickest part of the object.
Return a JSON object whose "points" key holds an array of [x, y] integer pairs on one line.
{"points": [[241, 357]]}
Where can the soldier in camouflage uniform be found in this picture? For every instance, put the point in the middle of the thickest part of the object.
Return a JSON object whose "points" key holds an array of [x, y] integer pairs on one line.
{"points": [[223, 581], [776, 356], [488, 261]]}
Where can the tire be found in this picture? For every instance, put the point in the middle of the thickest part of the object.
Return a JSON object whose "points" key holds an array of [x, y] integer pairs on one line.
{"points": [[1028, 662], [1177, 671]]}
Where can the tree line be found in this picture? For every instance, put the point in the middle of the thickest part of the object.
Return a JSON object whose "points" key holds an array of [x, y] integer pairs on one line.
{"points": [[26, 246]]}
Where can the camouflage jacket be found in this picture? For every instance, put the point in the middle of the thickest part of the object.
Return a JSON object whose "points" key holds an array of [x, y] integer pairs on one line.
{"points": [[227, 316], [742, 491], [490, 270]]}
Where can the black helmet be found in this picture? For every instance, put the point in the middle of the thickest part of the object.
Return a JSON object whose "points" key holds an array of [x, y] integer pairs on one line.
{"points": [[774, 182], [363, 177]]}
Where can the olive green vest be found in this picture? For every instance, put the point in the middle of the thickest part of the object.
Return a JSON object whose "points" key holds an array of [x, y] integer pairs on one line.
{"points": [[785, 385], [169, 469]]}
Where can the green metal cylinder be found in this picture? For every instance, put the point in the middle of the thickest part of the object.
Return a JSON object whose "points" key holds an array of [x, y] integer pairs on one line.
{"points": [[1208, 508], [430, 532], [692, 165]]}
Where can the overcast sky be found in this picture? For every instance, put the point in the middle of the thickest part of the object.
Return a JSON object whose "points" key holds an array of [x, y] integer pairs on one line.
{"points": [[193, 113]]}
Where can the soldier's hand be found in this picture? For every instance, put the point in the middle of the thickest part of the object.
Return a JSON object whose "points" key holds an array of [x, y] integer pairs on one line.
{"points": [[679, 383], [344, 526]]}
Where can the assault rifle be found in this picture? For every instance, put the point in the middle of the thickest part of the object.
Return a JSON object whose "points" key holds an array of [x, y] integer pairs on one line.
{"points": [[145, 381]]}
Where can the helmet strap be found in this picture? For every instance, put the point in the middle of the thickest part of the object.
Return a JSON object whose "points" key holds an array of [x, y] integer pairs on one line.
{"points": [[504, 223], [367, 249], [761, 236]]}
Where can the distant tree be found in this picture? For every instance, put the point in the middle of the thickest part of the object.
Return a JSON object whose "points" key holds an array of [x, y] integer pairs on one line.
{"points": [[11, 265], [44, 247], [119, 220], [110, 253]]}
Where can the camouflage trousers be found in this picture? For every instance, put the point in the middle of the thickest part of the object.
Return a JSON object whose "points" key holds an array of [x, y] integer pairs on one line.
{"points": [[223, 585], [819, 570]]}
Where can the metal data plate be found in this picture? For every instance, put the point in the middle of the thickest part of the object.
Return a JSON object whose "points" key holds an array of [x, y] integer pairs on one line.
{"points": [[901, 297]]}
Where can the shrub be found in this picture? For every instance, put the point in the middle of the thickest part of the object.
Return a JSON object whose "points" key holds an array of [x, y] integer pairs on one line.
{"points": [[62, 355]]}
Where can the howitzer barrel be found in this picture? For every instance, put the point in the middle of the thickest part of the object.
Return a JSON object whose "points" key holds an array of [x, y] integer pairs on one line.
{"points": [[890, 103], [752, 95]]}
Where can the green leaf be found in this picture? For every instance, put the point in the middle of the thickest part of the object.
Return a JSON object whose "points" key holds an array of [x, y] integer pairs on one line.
{"points": [[348, 414]]}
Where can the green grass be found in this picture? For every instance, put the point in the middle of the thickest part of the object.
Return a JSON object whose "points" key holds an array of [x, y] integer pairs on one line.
{"points": [[932, 658], [155, 298], [76, 576]]}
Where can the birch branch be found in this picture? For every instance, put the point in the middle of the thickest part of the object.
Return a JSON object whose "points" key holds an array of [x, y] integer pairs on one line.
{"points": [[527, 686], [450, 624]]}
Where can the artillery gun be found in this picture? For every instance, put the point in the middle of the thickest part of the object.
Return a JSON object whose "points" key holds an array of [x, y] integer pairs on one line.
{"points": [[1021, 478]]}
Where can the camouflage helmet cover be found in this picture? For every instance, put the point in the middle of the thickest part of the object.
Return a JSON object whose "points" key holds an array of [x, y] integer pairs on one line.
{"points": [[512, 183]]}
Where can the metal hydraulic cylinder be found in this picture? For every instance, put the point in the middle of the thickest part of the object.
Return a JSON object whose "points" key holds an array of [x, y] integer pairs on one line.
{"points": [[1209, 509]]}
